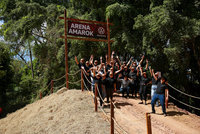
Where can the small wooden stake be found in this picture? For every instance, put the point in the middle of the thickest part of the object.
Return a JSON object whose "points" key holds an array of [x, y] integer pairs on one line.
{"points": [[112, 117], [82, 84], [148, 120], [96, 97]]}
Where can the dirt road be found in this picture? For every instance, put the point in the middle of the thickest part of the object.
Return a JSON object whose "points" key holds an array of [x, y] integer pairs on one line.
{"points": [[131, 117]]}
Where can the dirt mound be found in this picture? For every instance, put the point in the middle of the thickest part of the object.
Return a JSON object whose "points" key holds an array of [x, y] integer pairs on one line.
{"points": [[64, 112]]}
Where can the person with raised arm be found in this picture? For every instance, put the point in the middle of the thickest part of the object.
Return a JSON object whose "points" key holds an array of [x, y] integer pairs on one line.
{"points": [[82, 62], [97, 76], [160, 94], [154, 83], [143, 86], [132, 77]]}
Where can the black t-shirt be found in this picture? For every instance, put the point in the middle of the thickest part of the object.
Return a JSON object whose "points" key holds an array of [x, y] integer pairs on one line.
{"points": [[97, 80], [154, 82], [133, 75], [110, 82], [108, 67], [87, 69], [144, 81], [80, 65], [161, 88], [125, 73]]}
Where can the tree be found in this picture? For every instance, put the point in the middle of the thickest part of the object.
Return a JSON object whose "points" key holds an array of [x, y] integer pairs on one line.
{"points": [[6, 72]]}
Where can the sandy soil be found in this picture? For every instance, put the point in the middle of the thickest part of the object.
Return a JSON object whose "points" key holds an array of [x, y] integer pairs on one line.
{"points": [[131, 117], [70, 112]]}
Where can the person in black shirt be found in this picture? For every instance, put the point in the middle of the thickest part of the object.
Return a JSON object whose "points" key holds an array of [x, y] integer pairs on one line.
{"points": [[144, 81], [125, 71], [82, 62], [132, 77], [110, 81], [125, 82], [160, 94]]}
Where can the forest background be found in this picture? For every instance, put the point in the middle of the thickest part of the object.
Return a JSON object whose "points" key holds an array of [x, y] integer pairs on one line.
{"points": [[167, 32]]}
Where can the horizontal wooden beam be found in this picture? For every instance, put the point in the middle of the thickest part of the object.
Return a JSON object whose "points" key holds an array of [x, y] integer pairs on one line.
{"points": [[87, 39], [89, 21]]}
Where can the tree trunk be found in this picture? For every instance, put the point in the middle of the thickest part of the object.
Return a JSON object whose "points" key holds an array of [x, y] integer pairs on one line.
{"points": [[30, 52]]}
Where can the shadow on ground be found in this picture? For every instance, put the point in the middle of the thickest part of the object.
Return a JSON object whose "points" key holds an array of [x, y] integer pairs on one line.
{"points": [[175, 113]]}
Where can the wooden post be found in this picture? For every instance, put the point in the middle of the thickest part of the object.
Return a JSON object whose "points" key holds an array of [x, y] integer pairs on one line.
{"points": [[82, 85], [66, 50], [148, 120], [95, 97], [40, 95], [166, 97], [52, 86], [108, 34], [111, 117]]}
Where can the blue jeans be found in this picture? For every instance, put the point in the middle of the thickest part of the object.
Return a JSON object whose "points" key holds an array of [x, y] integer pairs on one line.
{"points": [[125, 89], [161, 97], [153, 91]]}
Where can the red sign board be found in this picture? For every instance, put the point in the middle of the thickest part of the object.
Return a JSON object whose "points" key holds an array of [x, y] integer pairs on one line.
{"points": [[87, 30]]}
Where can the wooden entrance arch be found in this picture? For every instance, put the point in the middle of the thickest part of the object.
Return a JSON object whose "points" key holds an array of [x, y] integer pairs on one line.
{"points": [[84, 36]]}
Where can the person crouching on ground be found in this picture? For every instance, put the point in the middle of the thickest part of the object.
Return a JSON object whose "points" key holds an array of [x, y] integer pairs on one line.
{"points": [[125, 86], [160, 94]]}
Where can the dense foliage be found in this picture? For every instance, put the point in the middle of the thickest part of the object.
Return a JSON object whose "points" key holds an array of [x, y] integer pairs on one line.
{"points": [[166, 31]]}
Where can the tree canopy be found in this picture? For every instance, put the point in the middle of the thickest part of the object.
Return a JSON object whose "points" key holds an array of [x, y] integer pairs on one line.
{"points": [[167, 32]]}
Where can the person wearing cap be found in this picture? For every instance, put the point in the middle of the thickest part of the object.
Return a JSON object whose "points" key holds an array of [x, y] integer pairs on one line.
{"points": [[160, 94], [143, 86]]}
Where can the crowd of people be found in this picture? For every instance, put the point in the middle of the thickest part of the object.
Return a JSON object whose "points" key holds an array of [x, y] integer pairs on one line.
{"points": [[124, 77]]}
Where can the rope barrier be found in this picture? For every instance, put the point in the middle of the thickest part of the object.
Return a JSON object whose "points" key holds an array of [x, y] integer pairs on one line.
{"points": [[46, 87], [105, 114], [59, 78], [87, 88], [119, 126], [87, 78], [100, 107], [101, 96], [41, 91], [60, 86], [124, 132], [183, 92], [68, 74], [115, 106], [184, 103], [74, 82], [104, 103], [74, 73]]}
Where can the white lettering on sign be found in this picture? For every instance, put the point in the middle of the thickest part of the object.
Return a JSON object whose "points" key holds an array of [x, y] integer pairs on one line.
{"points": [[80, 29], [81, 32]]}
